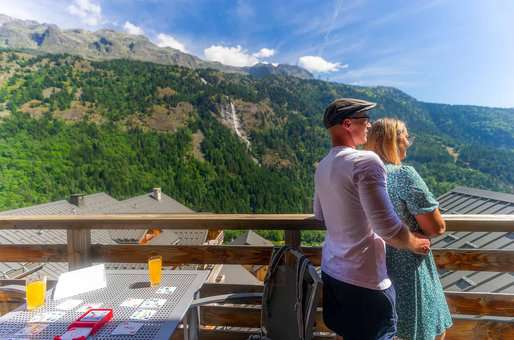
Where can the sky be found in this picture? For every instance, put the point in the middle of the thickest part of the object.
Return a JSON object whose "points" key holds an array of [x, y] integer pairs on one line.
{"points": [[444, 51]]}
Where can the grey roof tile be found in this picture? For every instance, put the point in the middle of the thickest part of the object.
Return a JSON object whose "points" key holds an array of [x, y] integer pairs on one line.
{"points": [[250, 237], [237, 274], [97, 204], [462, 200]]}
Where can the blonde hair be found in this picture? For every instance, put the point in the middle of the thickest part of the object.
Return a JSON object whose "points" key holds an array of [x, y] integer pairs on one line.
{"points": [[383, 139]]}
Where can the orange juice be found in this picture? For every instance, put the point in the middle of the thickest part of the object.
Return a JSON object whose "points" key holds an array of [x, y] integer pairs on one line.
{"points": [[155, 270], [36, 292]]}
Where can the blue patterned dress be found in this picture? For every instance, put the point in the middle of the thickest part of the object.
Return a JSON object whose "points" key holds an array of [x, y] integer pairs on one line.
{"points": [[420, 302]]}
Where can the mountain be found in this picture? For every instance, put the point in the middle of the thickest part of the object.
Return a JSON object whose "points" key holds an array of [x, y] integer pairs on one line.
{"points": [[263, 70], [108, 44], [219, 142]]}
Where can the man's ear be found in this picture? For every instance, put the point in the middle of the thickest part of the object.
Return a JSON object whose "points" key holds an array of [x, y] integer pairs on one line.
{"points": [[346, 123]]}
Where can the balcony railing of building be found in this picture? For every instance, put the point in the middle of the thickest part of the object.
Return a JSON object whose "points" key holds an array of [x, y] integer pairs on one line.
{"points": [[483, 315]]}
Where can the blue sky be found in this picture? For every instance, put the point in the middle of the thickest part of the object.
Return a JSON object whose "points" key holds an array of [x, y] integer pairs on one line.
{"points": [[452, 51]]}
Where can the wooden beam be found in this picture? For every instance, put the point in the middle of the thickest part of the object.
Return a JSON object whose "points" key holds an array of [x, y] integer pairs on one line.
{"points": [[479, 222], [480, 303], [192, 254], [178, 255], [33, 253], [79, 248], [473, 329], [449, 259], [164, 221], [475, 259], [209, 333], [210, 289], [493, 304], [242, 316], [504, 223]]}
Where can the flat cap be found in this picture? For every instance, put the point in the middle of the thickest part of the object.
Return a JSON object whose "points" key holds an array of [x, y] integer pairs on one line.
{"points": [[342, 108]]}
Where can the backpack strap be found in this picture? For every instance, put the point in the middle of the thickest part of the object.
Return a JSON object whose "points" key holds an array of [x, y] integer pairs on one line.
{"points": [[301, 267], [276, 257]]}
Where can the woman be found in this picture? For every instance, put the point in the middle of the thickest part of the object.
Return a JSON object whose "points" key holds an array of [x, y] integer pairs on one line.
{"points": [[421, 305]]}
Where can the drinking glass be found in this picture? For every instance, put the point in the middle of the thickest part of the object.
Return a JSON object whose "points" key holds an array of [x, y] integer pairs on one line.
{"points": [[155, 270], [36, 291]]}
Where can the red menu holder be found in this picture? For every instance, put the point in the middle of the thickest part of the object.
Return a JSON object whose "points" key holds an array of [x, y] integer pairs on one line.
{"points": [[93, 319]]}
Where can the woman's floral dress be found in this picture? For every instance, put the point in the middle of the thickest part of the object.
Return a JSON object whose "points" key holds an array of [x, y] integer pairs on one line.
{"points": [[420, 303]]}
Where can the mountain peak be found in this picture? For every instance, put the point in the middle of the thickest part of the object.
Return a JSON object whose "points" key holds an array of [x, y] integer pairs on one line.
{"points": [[107, 44], [266, 69]]}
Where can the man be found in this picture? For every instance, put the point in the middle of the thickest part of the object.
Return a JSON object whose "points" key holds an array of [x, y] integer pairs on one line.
{"points": [[351, 199]]}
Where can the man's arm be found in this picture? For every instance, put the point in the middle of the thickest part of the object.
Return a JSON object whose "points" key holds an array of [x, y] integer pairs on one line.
{"points": [[371, 183], [316, 207]]}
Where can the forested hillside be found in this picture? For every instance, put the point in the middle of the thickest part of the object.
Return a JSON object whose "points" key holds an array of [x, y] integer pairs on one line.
{"points": [[214, 141]]}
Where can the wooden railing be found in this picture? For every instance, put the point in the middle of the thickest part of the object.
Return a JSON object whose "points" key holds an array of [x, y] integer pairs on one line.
{"points": [[80, 252]]}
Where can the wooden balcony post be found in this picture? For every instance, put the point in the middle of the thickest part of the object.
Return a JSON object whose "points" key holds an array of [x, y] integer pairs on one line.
{"points": [[79, 248], [293, 239]]}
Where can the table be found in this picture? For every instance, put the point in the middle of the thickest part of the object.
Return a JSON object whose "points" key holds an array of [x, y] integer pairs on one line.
{"points": [[121, 285]]}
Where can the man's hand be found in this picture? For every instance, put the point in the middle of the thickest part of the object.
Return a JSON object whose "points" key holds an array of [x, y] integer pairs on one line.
{"points": [[414, 242], [419, 244]]}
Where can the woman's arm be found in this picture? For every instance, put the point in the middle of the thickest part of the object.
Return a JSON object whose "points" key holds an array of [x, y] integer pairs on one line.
{"points": [[432, 223]]}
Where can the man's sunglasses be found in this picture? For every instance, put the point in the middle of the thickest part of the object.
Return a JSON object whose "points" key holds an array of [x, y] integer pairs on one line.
{"points": [[362, 117]]}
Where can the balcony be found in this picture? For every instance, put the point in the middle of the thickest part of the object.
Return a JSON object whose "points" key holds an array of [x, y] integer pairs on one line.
{"points": [[477, 315]]}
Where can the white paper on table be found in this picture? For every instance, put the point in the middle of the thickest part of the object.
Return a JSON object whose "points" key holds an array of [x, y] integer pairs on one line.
{"points": [[153, 303], [166, 290], [47, 317], [89, 306], [143, 314], [30, 330], [80, 281], [134, 303], [76, 332], [127, 328]]}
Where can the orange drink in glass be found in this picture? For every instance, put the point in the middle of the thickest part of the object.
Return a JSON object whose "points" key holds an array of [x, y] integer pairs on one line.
{"points": [[36, 292], [155, 270]]}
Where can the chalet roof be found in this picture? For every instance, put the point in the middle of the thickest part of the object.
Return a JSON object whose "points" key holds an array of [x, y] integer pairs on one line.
{"points": [[251, 238], [94, 203], [462, 200], [237, 274], [149, 204], [98, 203]]}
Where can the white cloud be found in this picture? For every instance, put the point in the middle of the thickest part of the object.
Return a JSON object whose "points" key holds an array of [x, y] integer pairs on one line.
{"points": [[165, 40], [317, 64], [130, 28], [233, 56], [264, 53], [89, 12]]}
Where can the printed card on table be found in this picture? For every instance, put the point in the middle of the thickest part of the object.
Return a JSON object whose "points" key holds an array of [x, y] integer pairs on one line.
{"points": [[143, 314], [47, 317], [30, 330], [76, 333], [95, 315], [132, 303], [88, 306], [127, 328], [68, 304], [166, 290], [153, 303]]}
